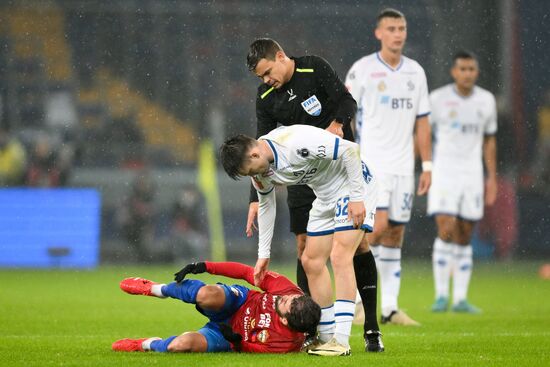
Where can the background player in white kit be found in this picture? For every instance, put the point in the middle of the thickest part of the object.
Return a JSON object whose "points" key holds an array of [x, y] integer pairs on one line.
{"points": [[464, 123], [343, 210], [392, 98]]}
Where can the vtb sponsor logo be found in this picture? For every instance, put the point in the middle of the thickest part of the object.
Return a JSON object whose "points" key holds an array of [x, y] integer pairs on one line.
{"points": [[397, 103]]}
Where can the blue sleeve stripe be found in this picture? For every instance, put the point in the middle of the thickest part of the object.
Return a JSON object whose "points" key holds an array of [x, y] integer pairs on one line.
{"points": [[327, 322], [265, 193], [422, 115], [336, 144], [345, 300], [274, 151], [344, 314]]}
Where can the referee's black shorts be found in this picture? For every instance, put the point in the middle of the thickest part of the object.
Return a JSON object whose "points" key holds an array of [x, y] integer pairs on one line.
{"points": [[299, 200]]}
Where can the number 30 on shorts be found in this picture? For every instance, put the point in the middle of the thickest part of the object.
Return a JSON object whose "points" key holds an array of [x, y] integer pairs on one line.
{"points": [[342, 206]]}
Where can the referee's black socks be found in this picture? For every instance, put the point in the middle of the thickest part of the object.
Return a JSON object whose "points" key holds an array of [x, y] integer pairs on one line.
{"points": [[301, 277], [366, 277]]}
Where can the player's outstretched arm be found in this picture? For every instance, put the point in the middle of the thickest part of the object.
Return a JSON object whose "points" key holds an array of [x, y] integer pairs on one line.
{"points": [[267, 209], [424, 140], [490, 159], [193, 268], [260, 270], [251, 219]]}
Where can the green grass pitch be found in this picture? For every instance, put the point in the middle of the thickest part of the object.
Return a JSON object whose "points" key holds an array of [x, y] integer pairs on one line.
{"points": [[70, 318]]}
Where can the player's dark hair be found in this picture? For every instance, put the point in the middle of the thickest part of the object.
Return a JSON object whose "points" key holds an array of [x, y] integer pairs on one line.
{"points": [[304, 314], [464, 54], [261, 48], [389, 13], [233, 154]]}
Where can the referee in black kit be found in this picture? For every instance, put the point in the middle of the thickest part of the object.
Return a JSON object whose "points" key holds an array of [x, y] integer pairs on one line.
{"points": [[306, 90]]}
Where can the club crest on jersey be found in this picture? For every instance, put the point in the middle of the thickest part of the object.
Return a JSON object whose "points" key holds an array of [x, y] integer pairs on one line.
{"points": [[312, 106], [321, 151], [302, 152], [410, 85], [453, 114], [263, 336], [381, 86]]}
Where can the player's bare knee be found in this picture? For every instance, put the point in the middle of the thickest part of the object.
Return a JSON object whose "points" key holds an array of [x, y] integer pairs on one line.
{"points": [[393, 237], [466, 229], [182, 344], [463, 238], [340, 257], [210, 296], [446, 231], [379, 230], [312, 265], [445, 234]]}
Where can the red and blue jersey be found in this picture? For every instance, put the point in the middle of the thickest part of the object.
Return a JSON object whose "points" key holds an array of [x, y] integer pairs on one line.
{"points": [[257, 319]]}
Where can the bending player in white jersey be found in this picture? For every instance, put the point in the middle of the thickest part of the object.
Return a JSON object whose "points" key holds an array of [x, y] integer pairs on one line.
{"points": [[464, 122], [343, 211], [392, 98]]}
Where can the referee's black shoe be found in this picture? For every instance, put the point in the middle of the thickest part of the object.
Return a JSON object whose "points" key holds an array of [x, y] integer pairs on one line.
{"points": [[373, 341]]}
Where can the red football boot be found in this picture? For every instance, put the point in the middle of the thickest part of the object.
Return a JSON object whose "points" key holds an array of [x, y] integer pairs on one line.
{"points": [[129, 345], [137, 286]]}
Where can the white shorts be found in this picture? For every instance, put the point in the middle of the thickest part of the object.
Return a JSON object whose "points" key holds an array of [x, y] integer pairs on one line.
{"points": [[328, 217], [395, 194], [459, 196]]}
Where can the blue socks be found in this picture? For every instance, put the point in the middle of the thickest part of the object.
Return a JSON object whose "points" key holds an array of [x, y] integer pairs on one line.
{"points": [[162, 344], [185, 291]]}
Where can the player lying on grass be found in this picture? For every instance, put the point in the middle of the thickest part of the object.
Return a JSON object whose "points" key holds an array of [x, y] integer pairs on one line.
{"points": [[240, 319], [340, 216]]}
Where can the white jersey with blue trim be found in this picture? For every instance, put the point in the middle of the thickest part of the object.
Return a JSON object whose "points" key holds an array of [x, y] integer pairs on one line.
{"points": [[306, 155], [389, 101], [459, 125]]}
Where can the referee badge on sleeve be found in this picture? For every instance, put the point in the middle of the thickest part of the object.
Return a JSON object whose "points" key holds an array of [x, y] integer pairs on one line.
{"points": [[312, 106]]}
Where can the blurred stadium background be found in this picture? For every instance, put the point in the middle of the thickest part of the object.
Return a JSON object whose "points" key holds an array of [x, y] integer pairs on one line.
{"points": [[128, 97]]}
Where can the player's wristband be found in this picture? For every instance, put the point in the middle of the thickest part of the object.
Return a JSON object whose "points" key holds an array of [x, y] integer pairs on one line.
{"points": [[427, 166]]}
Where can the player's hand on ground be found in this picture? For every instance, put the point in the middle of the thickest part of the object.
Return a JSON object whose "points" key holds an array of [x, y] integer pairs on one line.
{"points": [[260, 270], [336, 128], [230, 335], [356, 213], [424, 183], [251, 220], [491, 189], [193, 268]]}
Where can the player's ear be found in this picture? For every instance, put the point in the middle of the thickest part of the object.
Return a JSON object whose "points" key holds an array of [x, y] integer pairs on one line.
{"points": [[280, 55], [284, 321], [453, 71], [254, 154], [377, 33]]}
